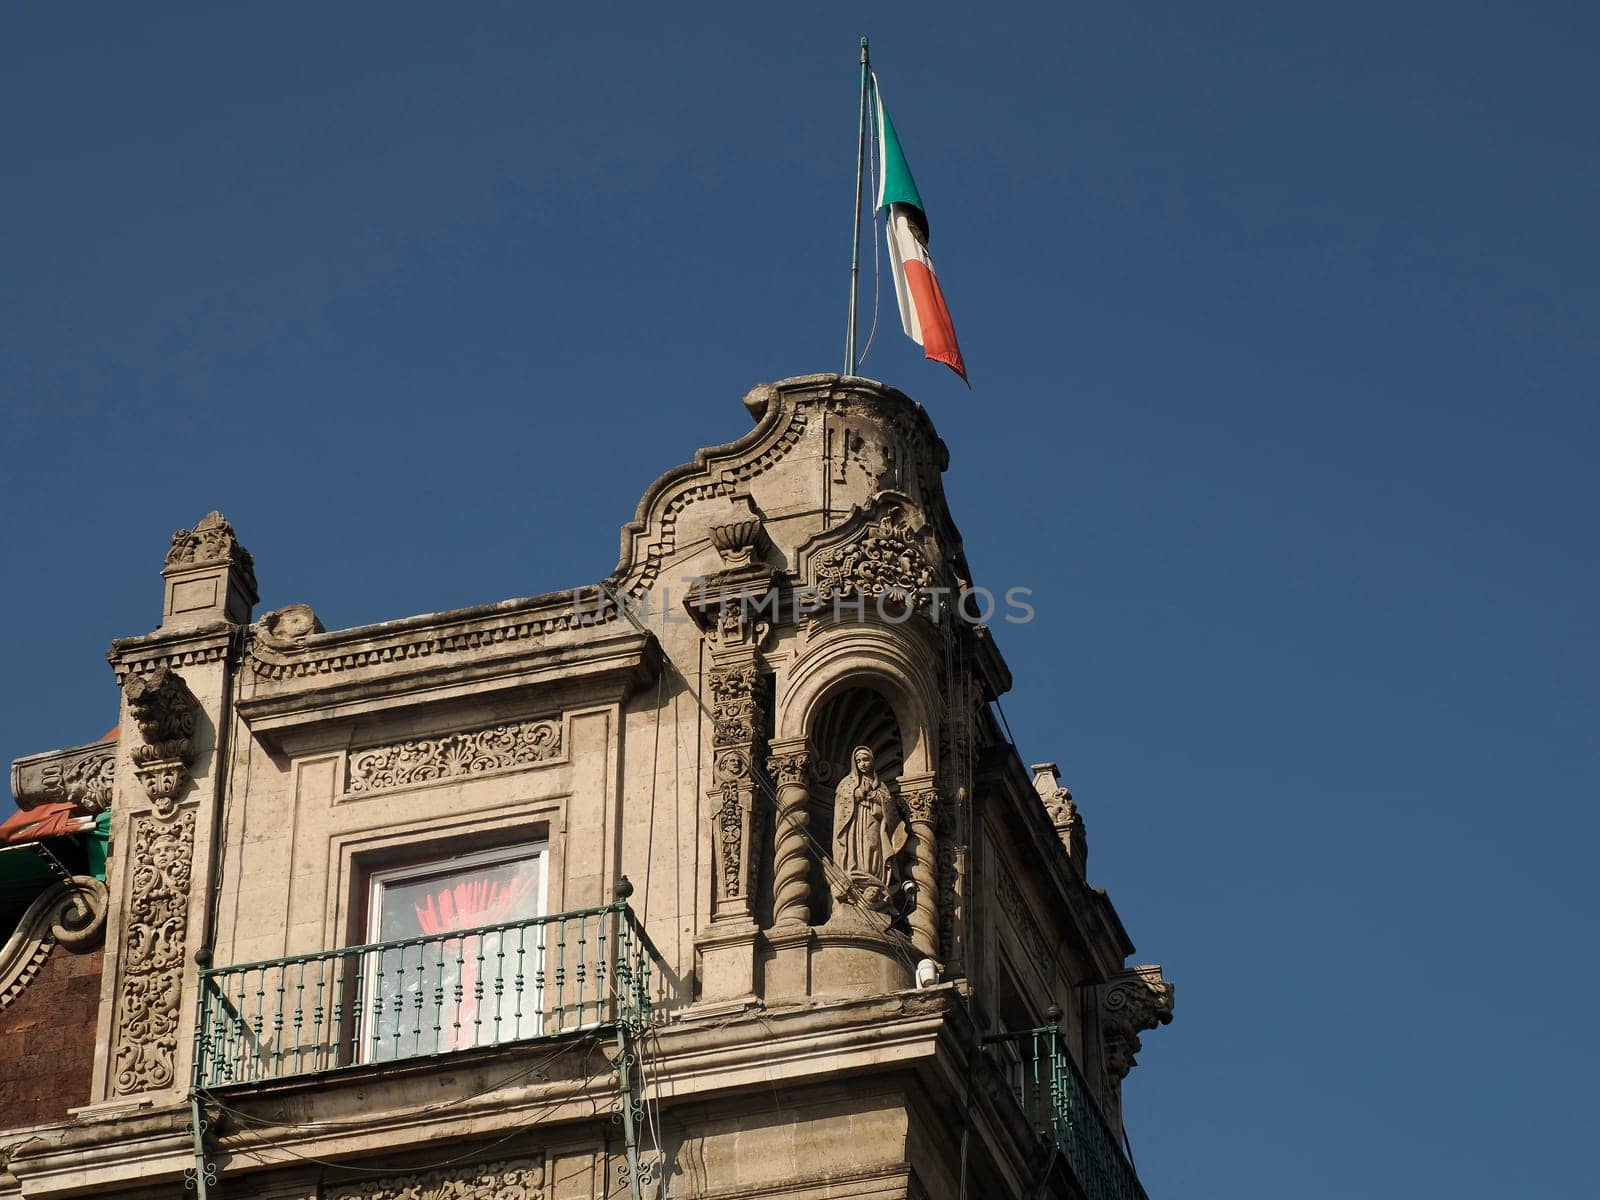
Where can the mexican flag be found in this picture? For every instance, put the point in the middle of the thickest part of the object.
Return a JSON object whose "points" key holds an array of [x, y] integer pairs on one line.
{"points": [[923, 312]]}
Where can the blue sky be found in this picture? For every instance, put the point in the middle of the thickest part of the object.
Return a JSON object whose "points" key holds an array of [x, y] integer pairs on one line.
{"points": [[1281, 321]]}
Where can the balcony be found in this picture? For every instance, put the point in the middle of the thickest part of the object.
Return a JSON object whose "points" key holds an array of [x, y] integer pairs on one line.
{"points": [[1062, 1111], [396, 1001]]}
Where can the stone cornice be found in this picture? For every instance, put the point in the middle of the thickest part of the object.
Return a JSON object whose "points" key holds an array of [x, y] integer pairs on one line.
{"points": [[431, 635], [609, 662], [152, 651]]}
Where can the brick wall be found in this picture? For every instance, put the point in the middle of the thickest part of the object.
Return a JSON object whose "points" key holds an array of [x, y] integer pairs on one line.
{"points": [[47, 1041]]}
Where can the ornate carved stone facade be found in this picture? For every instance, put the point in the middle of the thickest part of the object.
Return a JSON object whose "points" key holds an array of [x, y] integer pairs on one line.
{"points": [[702, 932], [424, 760], [520, 1178], [145, 1056]]}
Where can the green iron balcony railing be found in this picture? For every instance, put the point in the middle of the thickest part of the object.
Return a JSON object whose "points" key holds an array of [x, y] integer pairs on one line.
{"points": [[1060, 1109], [422, 996]]}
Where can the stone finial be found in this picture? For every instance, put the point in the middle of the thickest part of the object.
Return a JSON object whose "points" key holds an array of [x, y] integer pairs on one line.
{"points": [[212, 540], [1063, 812], [738, 539], [209, 576], [1132, 1002]]}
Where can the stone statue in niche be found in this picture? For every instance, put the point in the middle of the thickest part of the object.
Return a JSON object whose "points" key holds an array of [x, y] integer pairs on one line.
{"points": [[867, 833]]}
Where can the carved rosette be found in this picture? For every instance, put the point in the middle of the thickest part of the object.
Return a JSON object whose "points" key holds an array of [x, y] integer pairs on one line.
{"points": [[737, 711], [790, 771], [423, 760], [165, 711], [521, 1178], [1132, 1002], [144, 1056]]}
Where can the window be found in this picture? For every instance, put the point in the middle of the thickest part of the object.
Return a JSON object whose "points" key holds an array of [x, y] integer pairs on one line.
{"points": [[462, 966]]}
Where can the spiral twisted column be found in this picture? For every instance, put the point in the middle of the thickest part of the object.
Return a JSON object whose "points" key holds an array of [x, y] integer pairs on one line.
{"points": [[789, 768], [922, 814]]}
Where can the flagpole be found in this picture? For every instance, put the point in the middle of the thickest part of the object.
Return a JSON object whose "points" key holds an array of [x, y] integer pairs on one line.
{"points": [[855, 237]]}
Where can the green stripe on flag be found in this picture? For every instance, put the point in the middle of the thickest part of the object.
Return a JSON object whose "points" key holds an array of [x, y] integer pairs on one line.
{"points": [[896, 185]]}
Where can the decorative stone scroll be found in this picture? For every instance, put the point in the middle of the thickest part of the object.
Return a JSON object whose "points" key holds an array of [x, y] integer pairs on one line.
{"points": [[164, 710], [737, 709], [70, 913], [81, 775], [424, 760], [520, 1178], [144, 1056], [1132, 1002]]}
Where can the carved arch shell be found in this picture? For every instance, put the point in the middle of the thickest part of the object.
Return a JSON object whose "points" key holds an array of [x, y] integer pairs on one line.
{"points": [[892, 660]]}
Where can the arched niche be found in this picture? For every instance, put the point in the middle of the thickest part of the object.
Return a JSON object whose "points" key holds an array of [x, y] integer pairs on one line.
{"points": [[899, 663], [851, 716], [858, 683]]}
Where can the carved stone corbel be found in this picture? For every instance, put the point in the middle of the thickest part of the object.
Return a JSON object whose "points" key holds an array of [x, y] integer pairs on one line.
{"points": [[164, 710], [1132, 1002]]}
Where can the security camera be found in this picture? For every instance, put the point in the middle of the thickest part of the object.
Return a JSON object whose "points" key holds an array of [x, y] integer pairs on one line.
{"points": [[927, 973]]}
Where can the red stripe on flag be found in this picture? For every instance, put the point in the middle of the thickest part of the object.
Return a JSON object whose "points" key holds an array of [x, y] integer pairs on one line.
{"points": [[938, 331]]}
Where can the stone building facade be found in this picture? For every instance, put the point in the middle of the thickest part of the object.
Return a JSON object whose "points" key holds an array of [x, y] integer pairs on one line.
{"points": [[715, 879]]}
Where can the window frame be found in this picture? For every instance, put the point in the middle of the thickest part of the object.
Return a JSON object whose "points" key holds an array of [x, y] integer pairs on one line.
{"points": [[445, 865]]}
